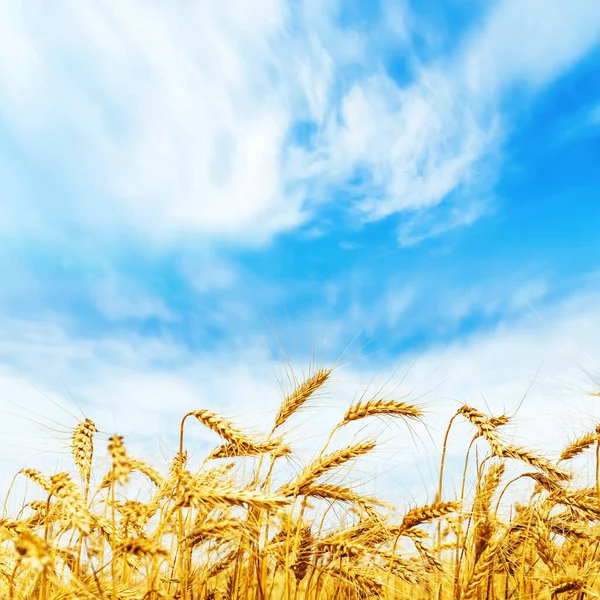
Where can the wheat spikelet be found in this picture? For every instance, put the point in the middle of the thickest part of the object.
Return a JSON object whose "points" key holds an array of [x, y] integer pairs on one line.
{"points": [[106, 529], [222, 427], [407, 571], [543, 481], [127, 464], [393, 531], [190, 494], [326, 463], [135, 515], [361, 579], [579, 503], [34, 550], [37, 505], [560, 585], [339, 493], [141, 547], [67, 557], [565, 527], [484, 523], [275, 448], [187, 495], [223, 528], [213, 475], [73, 505], [423, 514], [41, 514], [578, 446], [15, 528], [392, 408], [342, 548], [236, 497], [302, 556], [482, 534], [481, 569], [120, 462], [432, 561], [169, 487], [232, 451], [83, 448], [526, 456], [485, 426], [357, 533], [136, 464], [543, 544], [222, 565], [499, 421], [38, 478], [487, 488], [300, 395]]}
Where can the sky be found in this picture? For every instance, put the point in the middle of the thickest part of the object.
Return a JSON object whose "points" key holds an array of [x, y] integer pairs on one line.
{"points": [[195, 193]]}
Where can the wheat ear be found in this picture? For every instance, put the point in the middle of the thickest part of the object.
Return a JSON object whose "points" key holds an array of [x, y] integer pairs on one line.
{"points": [[300, 395], [391, 408]]}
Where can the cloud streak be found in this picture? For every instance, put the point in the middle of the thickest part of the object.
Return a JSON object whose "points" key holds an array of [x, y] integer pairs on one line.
{"points": [[438, 139], [175, 123]]}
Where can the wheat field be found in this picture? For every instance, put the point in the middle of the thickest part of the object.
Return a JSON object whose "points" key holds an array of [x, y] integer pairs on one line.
{"points": [[204, 531]]}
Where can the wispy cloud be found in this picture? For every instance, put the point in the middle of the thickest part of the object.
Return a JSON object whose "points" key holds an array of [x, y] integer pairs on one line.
{"points": [[177, 122], [118, 298], [424, 309], [420, 145], [170, 121]]}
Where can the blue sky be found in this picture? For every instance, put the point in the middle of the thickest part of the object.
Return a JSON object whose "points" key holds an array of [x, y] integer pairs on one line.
{"points": [[180, 180]]}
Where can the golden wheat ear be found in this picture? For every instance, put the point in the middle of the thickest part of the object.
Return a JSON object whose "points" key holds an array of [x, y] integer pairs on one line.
{"points": [[300, 395], [275, 448], [38, 478], [326, 463], [120, 462], [390, 408], [72, 503], [222, 427], [83, 449], [424, 514], [578, 446]]}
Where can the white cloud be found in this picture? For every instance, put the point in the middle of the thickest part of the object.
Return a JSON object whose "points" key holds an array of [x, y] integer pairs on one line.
{"points": [[419, 144], [432, 304], [594, 115], [174, 122], [207, 270], [421, 225], [584, 123], [118, 298], [175, 116], [441, 134], [530, 42]]}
